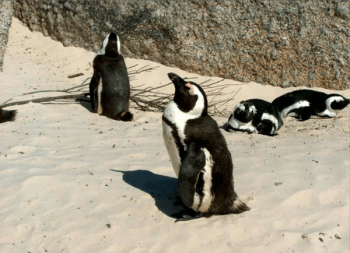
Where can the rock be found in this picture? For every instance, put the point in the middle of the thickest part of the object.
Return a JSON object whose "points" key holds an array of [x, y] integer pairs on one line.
{"points": [[258, 40], [341, 11], [311, 76], [285, 84], [5, 23]]}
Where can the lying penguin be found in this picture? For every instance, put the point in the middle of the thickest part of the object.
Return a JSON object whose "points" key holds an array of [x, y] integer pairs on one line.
{"points": [[199, 154], [7, 115], [109, 86], [302, 104], [255, 116]]}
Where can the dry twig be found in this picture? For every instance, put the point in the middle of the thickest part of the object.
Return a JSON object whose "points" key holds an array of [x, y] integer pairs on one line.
{"points": [[75, 75], [145, 99], [41, 100]]}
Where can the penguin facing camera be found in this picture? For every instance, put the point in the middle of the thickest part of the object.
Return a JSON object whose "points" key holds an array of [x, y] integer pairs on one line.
{"points": [[110, 86], [255, 116], [199, 154], [303, 104]]}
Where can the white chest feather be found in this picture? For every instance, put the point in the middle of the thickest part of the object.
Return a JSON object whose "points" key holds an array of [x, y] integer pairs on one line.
{"points": [[238, 125], [171, 147], [178, 118]]}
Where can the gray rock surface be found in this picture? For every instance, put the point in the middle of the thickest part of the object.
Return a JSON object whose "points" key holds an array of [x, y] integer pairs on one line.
{"points": [[5, 23], [282, 43]]}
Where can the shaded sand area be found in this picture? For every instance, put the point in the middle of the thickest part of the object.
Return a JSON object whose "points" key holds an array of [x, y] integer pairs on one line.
{"points": [[72, 181]]}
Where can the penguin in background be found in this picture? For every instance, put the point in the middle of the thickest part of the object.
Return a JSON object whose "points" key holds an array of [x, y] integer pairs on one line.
{"points": [[303, 104], [110, 86], [7, 115], [199, 154], [255, 116]]}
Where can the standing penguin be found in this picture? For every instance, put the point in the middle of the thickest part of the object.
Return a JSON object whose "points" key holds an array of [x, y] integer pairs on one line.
{"points": [[302, 104], [199, 154], [109, 86], [255, 116], [7, 115]]}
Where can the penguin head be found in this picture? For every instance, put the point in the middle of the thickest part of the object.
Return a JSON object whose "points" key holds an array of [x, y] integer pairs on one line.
{"points": [[244, 111], [110, 46], [269, 124], [336, 102], [189, 96], [266, 127]]}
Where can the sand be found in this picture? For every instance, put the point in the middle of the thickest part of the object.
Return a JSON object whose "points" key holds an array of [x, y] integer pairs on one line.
{"points": [[73, 181]]}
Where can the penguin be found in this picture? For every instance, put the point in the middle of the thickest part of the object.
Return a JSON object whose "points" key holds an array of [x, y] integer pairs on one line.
{"points": [[7, 115], [255, 116], [199, 154], [110, 86], [302, 104]]}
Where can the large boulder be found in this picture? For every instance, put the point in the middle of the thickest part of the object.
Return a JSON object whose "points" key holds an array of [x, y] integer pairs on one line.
{"points": [[5, 23], [282, 43]]}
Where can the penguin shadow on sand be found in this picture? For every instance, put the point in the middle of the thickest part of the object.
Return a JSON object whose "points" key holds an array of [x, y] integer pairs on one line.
{"points": [[85, 102], [163, 189]]}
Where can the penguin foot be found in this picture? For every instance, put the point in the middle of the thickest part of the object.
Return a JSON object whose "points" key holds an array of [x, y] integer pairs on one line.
{"points": [[186, 215], [125, 116]]}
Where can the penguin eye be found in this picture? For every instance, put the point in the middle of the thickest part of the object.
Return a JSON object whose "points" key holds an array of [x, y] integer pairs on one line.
{"points": [[190, 88]]}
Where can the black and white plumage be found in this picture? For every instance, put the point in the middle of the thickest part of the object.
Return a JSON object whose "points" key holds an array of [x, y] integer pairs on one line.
{"points": [[255, 116], [7, 115], [302, 104], [110, 86], [198, 153]]}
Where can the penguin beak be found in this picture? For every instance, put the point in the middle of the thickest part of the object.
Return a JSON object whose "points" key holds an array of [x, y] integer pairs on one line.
{"points": [[112, 36], [177, 81]]}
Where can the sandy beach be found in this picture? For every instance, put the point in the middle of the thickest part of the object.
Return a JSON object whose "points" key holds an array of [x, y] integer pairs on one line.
{"points": [[74, 181]]}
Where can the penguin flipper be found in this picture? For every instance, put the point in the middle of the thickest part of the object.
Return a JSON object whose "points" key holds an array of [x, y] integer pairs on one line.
{"points": [[189, 172], [305, 113], [95, 80]]}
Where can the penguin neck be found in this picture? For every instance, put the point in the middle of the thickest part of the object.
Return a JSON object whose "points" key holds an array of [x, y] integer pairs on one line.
{"points": [[114, 58], [173, 113], [235, 123], [329, 111], [179, 118], [332, 99], [243, 118]]}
